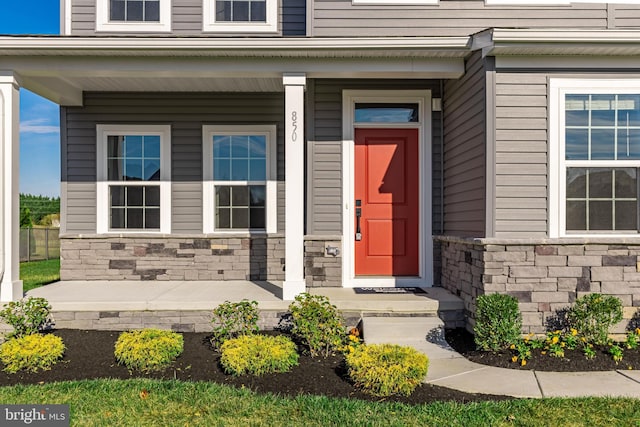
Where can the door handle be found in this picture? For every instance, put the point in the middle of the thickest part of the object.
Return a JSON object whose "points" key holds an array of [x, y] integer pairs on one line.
{"points": [[358, 215]]}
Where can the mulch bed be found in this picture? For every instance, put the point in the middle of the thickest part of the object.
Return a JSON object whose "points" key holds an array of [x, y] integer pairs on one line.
{"points": [[89, 355], [573, 361]]}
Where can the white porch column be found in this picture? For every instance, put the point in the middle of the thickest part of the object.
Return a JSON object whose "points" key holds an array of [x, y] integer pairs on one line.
{"points": [[10, 284], [294, 85]]}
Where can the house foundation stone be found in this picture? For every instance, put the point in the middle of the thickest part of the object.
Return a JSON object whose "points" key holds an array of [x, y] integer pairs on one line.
{"points": [[545, 275]]}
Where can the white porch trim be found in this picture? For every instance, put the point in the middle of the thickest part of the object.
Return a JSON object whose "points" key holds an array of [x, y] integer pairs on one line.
{"points": [[294, 137], [10, 284], [349, 99]]}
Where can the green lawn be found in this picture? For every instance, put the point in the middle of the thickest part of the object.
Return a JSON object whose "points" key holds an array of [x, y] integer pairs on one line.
{"points": [[140, 402], [38, 273]]}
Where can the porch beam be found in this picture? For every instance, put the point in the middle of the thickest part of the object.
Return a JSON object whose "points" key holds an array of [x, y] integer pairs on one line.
{"points": [[10, 283], [294, 137]]}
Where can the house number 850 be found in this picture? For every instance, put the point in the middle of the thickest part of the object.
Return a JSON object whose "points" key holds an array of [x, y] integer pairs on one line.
{"points": [[294, 125]]}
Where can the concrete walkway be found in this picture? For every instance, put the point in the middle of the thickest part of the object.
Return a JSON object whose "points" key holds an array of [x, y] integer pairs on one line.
{"points": [[448, 368]]}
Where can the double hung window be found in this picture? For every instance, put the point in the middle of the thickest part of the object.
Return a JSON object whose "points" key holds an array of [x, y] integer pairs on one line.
{"points": [[240, 15], [133, 15], [239, 185], [133, 178], [595, 156]]}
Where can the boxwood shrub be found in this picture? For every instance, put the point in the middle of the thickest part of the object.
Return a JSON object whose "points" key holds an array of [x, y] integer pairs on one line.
{"points": [[258, 354], [498, 321], [31, 352], [148, 350], [386, 369]]}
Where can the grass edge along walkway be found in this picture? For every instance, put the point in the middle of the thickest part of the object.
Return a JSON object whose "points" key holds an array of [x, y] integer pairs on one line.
{"points": [[143, 402]]}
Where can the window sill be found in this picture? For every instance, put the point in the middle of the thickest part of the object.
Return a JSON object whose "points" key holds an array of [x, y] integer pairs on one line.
{"points": [[240, 28]]}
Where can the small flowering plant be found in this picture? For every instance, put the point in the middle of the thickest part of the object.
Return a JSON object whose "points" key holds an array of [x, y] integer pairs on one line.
{"points": [[353, 341], [555, 344], [633, 339], [616, 352]]}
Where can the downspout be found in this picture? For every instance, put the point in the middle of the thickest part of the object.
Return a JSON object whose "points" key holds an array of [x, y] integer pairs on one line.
{"points": [[2, 218], [442, 158]]}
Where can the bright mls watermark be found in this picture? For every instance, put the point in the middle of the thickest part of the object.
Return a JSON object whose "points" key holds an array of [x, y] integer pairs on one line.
{"points": [[34, 415]]}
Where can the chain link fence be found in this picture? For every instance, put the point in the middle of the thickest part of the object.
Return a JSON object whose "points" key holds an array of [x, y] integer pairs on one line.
{"points": [[37, 244]]}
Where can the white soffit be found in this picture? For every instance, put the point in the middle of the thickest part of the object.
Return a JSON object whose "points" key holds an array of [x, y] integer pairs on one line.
{"points": [[62, 68]]}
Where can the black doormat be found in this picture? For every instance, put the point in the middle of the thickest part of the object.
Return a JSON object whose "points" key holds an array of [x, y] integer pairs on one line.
{"points": [[389, 290]]}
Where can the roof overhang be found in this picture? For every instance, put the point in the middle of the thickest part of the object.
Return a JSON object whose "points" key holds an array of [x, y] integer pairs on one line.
{"points": [[565, 42], [548, 49], [62, 68]]}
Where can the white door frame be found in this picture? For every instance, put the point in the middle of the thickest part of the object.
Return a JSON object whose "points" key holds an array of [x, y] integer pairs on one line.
{"points": [[423, 99]]}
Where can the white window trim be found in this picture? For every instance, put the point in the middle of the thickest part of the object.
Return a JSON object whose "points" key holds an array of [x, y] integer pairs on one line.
{"points": [[557, 163], [208, 199], [103, 23], [102, 185], [209, 24]]}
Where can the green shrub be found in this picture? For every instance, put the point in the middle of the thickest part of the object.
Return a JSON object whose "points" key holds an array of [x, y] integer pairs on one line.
{"points": [[593, 315], [148, 350], [317, 324], [27, 316], [233, 319], [258, 354], [31, 352], [498, 322], [386, 369]]}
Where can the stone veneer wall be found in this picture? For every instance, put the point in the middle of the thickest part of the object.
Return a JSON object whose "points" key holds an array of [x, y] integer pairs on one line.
{"points": [[545, 275], [153, 257], [320, 268]]}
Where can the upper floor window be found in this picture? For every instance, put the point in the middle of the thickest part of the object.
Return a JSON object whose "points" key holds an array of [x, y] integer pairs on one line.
{"points": [[133, 174], [595, 157], [133, 15], [240, 15], [134, 10]]}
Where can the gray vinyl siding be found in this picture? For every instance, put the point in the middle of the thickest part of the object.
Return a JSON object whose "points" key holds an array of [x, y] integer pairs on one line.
{"points": [[186, 113], [521, 155], [460, 18], [464, 152], [186, 18], [324, 169], [625, 16]]}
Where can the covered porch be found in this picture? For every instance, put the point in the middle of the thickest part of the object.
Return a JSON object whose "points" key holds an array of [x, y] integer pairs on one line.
{"points": [[69, 71], [187, 305]]}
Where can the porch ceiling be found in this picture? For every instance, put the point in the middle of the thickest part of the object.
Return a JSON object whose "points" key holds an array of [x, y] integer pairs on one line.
{"points": [[62, 68]]}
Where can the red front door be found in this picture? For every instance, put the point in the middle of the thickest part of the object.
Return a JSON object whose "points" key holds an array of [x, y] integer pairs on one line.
{"points": [[386, 194]]}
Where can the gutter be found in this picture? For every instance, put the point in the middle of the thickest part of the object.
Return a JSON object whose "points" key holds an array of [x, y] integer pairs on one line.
{"points": [[262, 46], [557, 42]]}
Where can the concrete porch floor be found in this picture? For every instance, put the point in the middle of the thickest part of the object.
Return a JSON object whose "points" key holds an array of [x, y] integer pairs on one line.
{"points": [[206, 295]]}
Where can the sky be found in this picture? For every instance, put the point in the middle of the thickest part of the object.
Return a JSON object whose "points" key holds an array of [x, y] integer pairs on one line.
{"points": [[39, 118]]}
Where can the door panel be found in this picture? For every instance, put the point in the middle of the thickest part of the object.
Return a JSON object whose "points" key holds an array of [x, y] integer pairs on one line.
{"points": [[386, 183]]}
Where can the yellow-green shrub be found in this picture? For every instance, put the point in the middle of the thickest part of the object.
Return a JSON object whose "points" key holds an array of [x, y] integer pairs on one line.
{"points": [[386, 369], [258, 354], [148, 349], [31, 352]]}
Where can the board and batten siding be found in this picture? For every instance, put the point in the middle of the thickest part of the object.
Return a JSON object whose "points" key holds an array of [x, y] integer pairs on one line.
{"points": [[324, 167], [186, 113], [186, 19], [464, 151], [341, 18], [521, 155]]}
